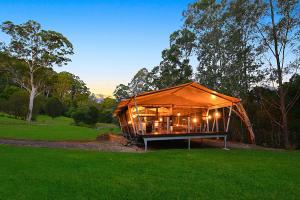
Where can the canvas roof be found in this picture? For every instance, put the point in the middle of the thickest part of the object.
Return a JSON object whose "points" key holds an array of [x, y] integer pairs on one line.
{"points": [[189, 95]]}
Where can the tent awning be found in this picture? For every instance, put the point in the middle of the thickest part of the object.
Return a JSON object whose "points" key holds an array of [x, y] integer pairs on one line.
{"points": [[189, 94]]}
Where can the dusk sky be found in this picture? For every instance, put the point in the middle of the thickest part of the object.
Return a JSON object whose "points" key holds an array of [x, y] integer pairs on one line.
{"points": [[112, 38]]}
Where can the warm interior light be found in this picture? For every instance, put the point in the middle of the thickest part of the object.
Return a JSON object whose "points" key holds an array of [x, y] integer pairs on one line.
{"points": [[129, 122], [195, 120], [161, 119], [156, 123], [177, 125], [213, 96], [134, 116], [217, 115], [178, 114], [209, 117]]}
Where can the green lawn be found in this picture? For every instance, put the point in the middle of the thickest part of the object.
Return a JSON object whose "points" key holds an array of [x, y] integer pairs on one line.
{"points": [[46, 128], [41, 173]]}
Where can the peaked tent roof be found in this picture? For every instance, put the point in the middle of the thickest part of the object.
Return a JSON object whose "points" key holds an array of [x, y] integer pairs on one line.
{"points": [[189, 94]]}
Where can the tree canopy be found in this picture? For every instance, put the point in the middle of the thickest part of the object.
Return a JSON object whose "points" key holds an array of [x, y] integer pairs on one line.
{"points": [[37, 49]]}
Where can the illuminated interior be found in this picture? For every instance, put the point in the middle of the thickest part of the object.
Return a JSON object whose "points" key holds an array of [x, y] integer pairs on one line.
{"points": [[184, 109], [172, 120]]}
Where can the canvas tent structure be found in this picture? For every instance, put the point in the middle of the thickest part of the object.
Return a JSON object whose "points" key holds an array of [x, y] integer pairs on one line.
{"points": [[185, 111]]}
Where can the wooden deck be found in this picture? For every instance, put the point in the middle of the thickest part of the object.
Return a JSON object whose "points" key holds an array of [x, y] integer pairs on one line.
{"points": [[182, 136]]}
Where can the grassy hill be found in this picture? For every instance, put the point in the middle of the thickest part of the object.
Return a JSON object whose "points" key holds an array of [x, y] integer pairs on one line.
{"points": [[47, 128], [41, 173]]}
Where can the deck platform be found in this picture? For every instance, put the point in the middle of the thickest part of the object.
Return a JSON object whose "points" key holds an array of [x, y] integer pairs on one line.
{"points": [[182, 136]]}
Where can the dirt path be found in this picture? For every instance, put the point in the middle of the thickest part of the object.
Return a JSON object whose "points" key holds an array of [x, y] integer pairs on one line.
{"points": [[93, 145], [113, 143], [235, 145]]}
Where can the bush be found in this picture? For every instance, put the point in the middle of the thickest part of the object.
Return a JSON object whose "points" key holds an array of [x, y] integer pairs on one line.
{"points": [[17, 104], [87, 115], [93, 114], [54, 107], [69, 111], [105, 116], [79, 115], [9, 90], [3, 105]]}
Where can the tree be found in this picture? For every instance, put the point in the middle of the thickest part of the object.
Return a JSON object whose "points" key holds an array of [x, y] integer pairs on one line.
{"points": [[243, 67], [140, 82], [121, 92], [174, 69], [87, 115], [205, 20], [4, 76], [106, 108], [54, 107], [37, 49], [63, 85], [223, 45], [280, 37], [69, 88], [17, 104]]}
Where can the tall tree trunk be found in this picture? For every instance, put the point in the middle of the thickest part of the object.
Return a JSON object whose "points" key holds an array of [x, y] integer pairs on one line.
{"points": [[31, 101], [284, 126], [31, 96]]}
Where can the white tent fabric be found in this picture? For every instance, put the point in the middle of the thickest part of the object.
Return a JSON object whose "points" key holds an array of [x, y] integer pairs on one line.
{"points": [[188, 95]]}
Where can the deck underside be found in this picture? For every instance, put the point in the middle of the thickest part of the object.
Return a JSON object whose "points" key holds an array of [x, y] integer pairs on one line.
{"points": [[162, 135], [182, 136]]}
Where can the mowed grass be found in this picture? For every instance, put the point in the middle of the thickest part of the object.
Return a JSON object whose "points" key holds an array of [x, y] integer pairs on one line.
{"points": [[41, 173], [50, 129]]}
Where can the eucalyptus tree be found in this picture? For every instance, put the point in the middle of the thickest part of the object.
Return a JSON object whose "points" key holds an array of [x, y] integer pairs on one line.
{"points": [[206, 20], [279, 32], [224, 43], [140, 82], [63, 85], [38, 49], [243, 67], [69, 89], [122, 92], [175, 66]]}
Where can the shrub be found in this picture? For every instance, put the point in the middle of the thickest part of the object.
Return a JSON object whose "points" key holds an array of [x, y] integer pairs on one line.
{"points": [[3, 105], [69, 111], [105, 116], [54, 107], [87, 115], [17, 104], [93, 114], [79, 115], [9, 90]]}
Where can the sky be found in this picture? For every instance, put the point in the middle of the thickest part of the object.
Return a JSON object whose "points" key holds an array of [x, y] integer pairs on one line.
{"points": [[112, 39]]}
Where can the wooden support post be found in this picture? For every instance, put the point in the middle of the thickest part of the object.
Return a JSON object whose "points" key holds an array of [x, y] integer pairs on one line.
{"points": [[241, 112], [129, 134], [228, 120], [213, 126], [200, 128], [138, 116], [207, 120], [132, 121], [189, 124], [168, 124], [224, 123], [120, 122], [217, 121]]}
